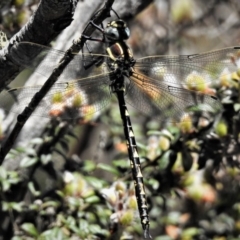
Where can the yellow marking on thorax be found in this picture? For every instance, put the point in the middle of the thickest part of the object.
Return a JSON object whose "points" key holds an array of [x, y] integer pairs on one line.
{"points": [[110, 54], [130, 54], [121, 50]]}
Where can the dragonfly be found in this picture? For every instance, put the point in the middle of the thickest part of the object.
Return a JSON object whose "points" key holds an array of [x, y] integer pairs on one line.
{"points": [[170, 88]]}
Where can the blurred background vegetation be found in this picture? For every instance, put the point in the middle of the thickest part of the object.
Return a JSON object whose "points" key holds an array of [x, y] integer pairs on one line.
{"points": [[80, 185]]}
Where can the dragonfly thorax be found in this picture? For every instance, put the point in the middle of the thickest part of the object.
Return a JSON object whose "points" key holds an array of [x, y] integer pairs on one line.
{"points": [[121, 58], [120, 54]]}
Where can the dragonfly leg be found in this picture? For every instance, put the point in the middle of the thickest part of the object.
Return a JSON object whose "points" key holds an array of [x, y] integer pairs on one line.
{"points": [[96, 26], [92, 38], [99, 60]]}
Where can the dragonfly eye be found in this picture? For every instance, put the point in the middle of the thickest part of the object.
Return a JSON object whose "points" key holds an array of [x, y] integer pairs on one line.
{"points": [[117, 30], [112, 34], [125, 33]]}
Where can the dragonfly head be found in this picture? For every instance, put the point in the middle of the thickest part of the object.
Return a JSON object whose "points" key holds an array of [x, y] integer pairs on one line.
{"points": [[117, 31]]}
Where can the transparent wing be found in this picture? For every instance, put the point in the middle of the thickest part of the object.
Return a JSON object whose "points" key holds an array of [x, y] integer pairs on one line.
{"points": [[44, 59], [171, 86], [191, 71], [168, 103], [73, 99], [67, 98]]}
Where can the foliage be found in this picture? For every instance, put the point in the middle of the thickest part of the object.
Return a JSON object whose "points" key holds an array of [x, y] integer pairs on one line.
{"points": [[191, 174]]}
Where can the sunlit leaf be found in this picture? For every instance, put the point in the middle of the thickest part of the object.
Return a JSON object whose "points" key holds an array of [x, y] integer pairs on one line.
{"points": [[107, 167], [122, 163], [17, 207], [3, 173], [30, 229], [28, 162], [95, 182], [45, 159], [92, 199], [6, 185], [89, 166], [31, 187], [36, 141], [54, 233]]}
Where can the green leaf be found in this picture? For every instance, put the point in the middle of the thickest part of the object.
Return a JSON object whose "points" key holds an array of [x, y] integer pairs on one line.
{"points": [[17, 207], [171, 218], [153, 132], [5, 206], [13, 174], [83, 224], [6, 185], [74, 202], [95, 182], [163, 163], [30, 229], [190, 232], [107, 168], [18, 150], [71, 221], [30, 151], [17, 238], [123, 163], [60, 193], [174, 130], [36, 141], [45, 159], [13, 178], [55, 233], [96, 229], [50, 204], [32, 189], [28, 162], [34, 207], [164, 133], [89, 166], [152, 124], [142, 146], [153, 183], [236, 107], [3, 173], [92, 199], [74, 228]]}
